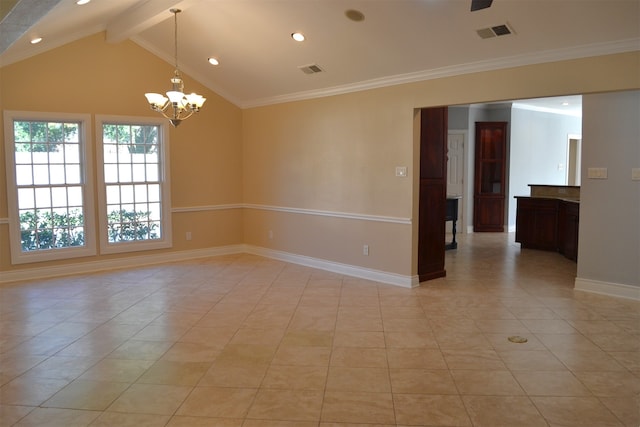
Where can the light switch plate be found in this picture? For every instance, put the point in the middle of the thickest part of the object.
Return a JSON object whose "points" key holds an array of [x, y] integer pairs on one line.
{"points": [[635, 174], [401, 171], [597, 173]]}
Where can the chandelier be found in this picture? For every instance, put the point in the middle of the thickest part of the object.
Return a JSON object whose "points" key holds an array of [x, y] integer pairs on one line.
{"points": [[176, 106]]}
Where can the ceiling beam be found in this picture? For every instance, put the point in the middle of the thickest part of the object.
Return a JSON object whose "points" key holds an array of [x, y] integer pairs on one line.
{"points": [[142, 16], [22, 16]]}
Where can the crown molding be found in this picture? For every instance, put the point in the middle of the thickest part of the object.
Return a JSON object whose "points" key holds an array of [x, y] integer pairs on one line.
{"points": [[577, 52]]}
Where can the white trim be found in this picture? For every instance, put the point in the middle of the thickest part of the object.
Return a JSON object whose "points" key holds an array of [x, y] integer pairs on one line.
{"points": [[164, 181], [347, 215], [18, 256], [607, 288], [162, 258], [539, 109], [207, 208], [116, 263], [301, 211], [336, 267]]}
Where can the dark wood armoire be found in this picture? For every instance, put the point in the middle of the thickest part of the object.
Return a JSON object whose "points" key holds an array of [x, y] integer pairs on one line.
{"points": [[433, 193], [490, 172]]}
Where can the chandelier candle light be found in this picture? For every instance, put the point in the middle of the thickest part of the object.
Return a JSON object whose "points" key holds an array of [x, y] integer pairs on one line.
{"points": [[176, 106]]}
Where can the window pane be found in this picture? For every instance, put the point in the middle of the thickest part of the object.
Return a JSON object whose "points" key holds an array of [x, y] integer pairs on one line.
{"points": [[75, 196], [57, 174], [26, 198], [73, 174], [43, 198], [132, 176], [24, 175], [41, 174], [59, 196], [72, 153]]}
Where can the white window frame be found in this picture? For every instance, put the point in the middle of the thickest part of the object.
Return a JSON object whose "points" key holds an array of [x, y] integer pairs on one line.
{"points": [[165, 240], [18, 256]]}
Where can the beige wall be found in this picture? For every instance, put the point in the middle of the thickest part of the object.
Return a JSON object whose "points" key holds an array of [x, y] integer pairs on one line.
{"points": [[319, 174], [339, 154], [95, 77]]}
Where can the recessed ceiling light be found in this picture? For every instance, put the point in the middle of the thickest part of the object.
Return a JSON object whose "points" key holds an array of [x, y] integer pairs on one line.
{"points": [[36, 40], [213, 61], [81, 2], [299, 37]]}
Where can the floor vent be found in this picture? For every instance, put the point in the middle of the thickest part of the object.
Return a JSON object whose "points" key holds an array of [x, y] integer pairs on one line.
{"points": [[311, 69], [498, 30]]}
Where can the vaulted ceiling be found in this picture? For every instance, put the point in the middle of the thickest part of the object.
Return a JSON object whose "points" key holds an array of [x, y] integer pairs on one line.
{"points": [[397, 41]]}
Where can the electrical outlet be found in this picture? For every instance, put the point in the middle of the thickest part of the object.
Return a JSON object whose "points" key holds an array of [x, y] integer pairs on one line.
{"points": [[365, 250], [401, 171], [188, 235]]}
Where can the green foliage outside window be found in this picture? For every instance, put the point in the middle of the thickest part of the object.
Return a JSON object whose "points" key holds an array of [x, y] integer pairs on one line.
{"points": [[126, 225], [138, 139], [48, 230], [43, 136]]}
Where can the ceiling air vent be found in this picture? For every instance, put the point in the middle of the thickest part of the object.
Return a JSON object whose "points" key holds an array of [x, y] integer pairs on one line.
{"points": [[311, 69], [498, 30]]}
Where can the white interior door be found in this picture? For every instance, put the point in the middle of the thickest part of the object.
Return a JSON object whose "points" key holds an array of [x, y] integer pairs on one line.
{"points": [[455, 172]]}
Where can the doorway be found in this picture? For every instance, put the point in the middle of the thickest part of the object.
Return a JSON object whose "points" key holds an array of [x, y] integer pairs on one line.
{"points": [[574, 156]]}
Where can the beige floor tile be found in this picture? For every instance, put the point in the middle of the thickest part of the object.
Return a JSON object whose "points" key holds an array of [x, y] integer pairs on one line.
{"points": [[351, 407], [87, 394], [117, 370], [415, 358], [287, 405], [10, 414], [410, 339], [252, 331], [267, 337], [422, 381], [151, 399], [627, 409], [359, 339], [610, 384], [232, 373], [420, 409], [503, 411], [302, 356], [295, 377], [551, 383], [218, 402], [279, 423], [58, 417], [486, 383], [481, 359], [111, 419], [534, 360], [375, 380], [141, 350], [30, 391], [174, 373], [359, 357], [310, 338], [575, 411], [182, 421], [66, 368]]}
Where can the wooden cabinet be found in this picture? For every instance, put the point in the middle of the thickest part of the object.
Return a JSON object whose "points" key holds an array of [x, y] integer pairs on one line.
{"points": [[489, 182], [548, 224], [433, 193]]}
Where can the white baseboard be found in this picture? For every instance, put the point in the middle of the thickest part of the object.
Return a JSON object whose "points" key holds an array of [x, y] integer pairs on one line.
{"points": [[335, 267], [138, 261], [115, 264], [606, 288]]}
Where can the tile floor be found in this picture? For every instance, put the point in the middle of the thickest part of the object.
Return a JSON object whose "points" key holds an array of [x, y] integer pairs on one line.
{"points": [[247, 341]]}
